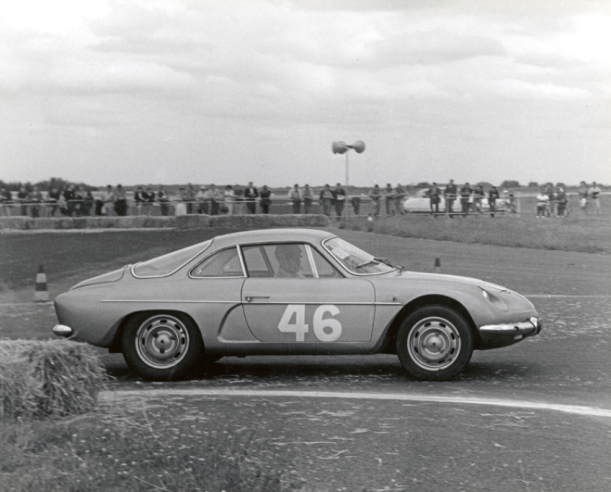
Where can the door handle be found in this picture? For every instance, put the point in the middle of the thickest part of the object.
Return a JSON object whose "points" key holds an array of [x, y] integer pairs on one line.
{"points": [[252, 298]]}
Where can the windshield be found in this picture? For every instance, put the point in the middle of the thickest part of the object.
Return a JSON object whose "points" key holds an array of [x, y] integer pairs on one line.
{"points": [[355, 259], [165, 265]]}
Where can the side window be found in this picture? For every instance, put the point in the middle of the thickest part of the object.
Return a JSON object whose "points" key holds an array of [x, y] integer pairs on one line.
{"points": [[225, 263], [323, 267], [286, 260]]}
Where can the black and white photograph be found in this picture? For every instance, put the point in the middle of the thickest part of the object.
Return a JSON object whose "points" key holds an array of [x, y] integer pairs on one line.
{"points": [[305, 246]]}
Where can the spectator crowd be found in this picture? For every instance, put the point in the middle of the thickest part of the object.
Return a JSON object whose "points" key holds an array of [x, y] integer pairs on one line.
{"points": [[75, 201]]}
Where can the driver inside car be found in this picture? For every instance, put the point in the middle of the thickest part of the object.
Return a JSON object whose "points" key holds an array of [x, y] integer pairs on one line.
{"points": [[289, 261]]}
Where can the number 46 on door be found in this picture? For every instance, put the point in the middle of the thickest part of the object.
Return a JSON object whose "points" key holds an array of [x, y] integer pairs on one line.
{"points": [[325, 329]]}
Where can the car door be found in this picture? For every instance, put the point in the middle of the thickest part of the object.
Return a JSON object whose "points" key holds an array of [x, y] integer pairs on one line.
{"points": [[314, 305]]}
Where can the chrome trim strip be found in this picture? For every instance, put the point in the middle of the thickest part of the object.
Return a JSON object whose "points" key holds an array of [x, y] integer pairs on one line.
{"points": [[170, 302], [341, 303], [318, 303]]}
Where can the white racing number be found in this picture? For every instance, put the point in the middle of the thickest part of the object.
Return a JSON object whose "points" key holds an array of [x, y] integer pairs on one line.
{"points": [[325, 329]]}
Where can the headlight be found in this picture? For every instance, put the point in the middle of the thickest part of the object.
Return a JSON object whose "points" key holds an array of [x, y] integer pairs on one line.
{"points": [[496, 301]]}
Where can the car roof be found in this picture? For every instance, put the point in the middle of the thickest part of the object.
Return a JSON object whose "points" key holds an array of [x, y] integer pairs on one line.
{"points": [[271, 235]]}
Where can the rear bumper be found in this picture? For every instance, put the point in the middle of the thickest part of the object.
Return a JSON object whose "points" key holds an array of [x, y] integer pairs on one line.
{"points": [[502, 335], [63, 331]]}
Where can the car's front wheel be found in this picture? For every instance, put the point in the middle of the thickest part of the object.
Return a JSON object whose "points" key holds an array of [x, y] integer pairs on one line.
{"points": [[162, 346], [434, 343]]}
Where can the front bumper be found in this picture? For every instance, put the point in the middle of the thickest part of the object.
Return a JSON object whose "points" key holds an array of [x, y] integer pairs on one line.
{"points": [[495, 336]]}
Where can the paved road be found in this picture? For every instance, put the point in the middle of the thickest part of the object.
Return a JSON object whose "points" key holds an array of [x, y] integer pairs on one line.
{"points": [[343, 443]]}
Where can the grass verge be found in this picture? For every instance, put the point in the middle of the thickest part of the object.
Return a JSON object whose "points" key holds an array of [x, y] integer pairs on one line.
{"points": [[586, 234]]}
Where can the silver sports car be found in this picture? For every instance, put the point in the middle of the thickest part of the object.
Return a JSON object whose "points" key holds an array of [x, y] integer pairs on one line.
{"points": [[288, 292]]}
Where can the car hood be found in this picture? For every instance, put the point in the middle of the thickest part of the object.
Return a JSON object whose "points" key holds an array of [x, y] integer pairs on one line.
{"points": [[448, 280]]}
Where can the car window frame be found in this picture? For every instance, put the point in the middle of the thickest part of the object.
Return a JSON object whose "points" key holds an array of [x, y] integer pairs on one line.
{"points": [[309, 256], [218, 251]]}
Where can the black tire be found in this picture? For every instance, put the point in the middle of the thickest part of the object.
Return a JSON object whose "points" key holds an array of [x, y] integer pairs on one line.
{"points": [[162, 346], [434, 343]]}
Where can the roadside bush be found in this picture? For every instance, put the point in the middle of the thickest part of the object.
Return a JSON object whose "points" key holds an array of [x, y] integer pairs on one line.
{"points": [[48, 378]]}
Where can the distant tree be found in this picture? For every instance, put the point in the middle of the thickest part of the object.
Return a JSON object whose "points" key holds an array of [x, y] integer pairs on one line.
{"points": [[510, 183], [561, 185], [424, 184], [533, 184], [484, 184]]}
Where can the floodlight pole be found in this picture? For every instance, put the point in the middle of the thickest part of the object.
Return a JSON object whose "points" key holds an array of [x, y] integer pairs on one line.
{"points": [[342, 148]]}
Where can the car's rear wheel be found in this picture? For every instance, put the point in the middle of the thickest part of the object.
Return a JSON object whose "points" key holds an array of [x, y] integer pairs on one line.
{"points": [[162, 346], [434, 343]]}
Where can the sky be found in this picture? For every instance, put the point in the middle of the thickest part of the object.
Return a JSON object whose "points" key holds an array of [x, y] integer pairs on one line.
{"points": [[231, 91]]}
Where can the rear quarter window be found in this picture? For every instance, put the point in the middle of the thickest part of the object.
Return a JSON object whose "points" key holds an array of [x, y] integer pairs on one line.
{"points": [[165, 265]]}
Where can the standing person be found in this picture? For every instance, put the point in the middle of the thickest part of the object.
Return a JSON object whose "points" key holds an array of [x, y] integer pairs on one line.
{"points": [[87, 204], [295, 197], [356, 204], [308, 198], [215, 196], [228, 199], [551, 209], [435, 198], [376, 195], [478, 196], [340, 200], [54, 196], [465, 195], [594, 193], [149, 200], [5, 201], [69, 197], [400, 194], [389, 198], [512, 201], [542, 203], [326, 198], [189, 195], [79, 203], [23, 197], [163, 199], [450, 194], [251, 194], [493, 196], [36, 199], [266, 199], [108, 198], [583, 196], [201, 198], [139, 199], [561, 202], [120, 201]]}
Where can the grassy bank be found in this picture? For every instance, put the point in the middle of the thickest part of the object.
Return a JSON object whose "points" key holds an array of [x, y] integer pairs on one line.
{"points": [[587, 234]]}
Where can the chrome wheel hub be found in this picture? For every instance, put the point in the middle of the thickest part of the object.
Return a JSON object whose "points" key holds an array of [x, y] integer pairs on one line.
{"points": [[434, 343], [162, 341]]}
